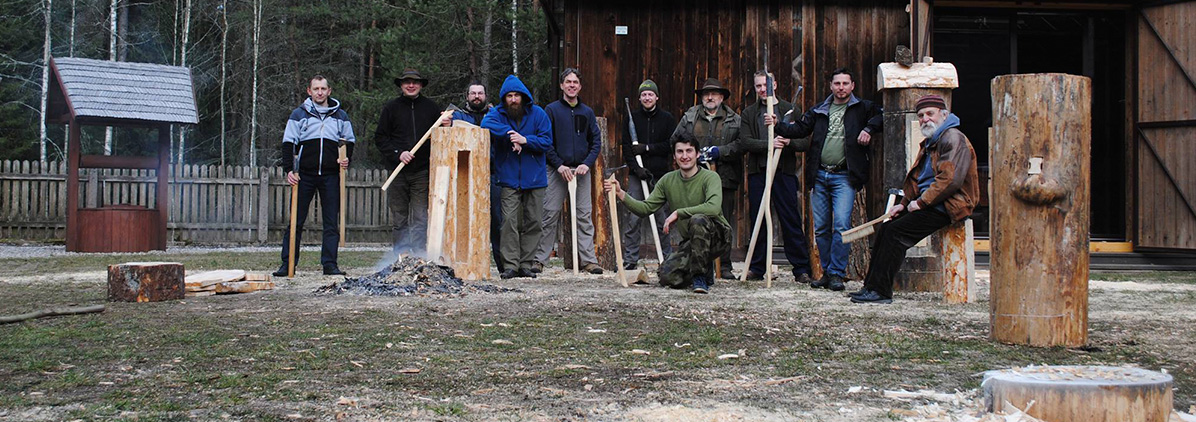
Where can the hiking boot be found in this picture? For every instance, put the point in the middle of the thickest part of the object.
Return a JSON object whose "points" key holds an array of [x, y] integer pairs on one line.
{"points": [[282, 271], [536, 268], [592, 268], [752, 276], [871, 297], [803, 278], [822, 282], [526, 272], [509, 273], [701, 285], [629, 265], [726, 274], [836, 284]]}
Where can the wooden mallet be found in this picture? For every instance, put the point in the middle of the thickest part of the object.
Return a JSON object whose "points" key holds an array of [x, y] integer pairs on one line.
{"points": [[294, 222], [447, 112]]}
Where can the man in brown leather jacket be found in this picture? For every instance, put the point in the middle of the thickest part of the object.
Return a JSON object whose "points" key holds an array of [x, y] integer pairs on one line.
{"points": [[941, 188]]}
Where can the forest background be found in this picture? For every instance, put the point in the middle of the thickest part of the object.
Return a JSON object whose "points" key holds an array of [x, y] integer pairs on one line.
{"points": [[251, 60]]}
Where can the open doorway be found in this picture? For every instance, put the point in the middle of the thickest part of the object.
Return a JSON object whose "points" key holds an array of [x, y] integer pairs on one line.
{"points": [[985, 43]]}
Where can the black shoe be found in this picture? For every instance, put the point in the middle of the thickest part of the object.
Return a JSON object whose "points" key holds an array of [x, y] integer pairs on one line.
{"points": [[331, 269], [753, 276], [535, 269], [509, 273], [871, 297], [700, 285], [592, 268], [282, 271], [822, 282], [727, 274], [527, 272], [803, 278], [629, 265], [836, 284], [862, 291]]}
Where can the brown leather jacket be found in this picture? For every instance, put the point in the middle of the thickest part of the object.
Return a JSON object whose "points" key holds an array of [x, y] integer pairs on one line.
{"points": [[955, 184]]}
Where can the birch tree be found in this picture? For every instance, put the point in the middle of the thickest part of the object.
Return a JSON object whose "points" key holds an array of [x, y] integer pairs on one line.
{"points": [[257, 30], [183, 63], [223, 73], [47, 11]]}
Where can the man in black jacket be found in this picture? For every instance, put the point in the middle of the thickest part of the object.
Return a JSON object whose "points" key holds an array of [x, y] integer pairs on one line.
{"points": [[652, 127], [403, 121], [836, 166]]}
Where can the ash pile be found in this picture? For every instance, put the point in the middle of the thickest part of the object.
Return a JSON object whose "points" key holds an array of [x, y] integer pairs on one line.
{"points": [[410, 276]]}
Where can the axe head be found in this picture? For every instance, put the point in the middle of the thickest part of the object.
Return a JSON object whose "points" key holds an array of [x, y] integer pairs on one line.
{"points": [[607, 173], [342, 142], [895, 191]]}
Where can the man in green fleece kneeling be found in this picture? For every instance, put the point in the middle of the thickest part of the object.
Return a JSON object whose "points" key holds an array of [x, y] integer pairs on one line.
{"points": [[696, 196]]}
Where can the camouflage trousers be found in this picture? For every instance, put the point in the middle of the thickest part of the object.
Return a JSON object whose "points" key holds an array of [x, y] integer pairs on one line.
{"points": [[704, 241]]}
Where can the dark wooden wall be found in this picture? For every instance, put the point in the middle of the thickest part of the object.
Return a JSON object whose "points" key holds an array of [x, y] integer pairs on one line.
{"points": [[679, 44]]}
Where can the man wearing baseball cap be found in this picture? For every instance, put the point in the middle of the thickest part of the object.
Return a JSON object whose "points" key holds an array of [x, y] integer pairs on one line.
{"points": [[941, 188]]}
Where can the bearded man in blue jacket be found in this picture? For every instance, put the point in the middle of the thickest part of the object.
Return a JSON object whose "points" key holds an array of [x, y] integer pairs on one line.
{"points": [[312, 135], [520, 135]]}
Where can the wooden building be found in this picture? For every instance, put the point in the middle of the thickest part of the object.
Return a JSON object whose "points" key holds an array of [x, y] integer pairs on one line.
{"points": [[1140, 55]]}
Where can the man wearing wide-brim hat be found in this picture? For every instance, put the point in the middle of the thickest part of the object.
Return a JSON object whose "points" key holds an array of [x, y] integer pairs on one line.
{"points": [[402, 122], [716, 126]]}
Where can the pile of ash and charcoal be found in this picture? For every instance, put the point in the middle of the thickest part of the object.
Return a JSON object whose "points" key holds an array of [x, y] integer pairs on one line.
{"points": [[410, 276]]}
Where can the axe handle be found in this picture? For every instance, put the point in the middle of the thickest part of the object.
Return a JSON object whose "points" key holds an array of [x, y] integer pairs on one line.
{"points": [[343, 154], [764, 209], [573, 217], [294, 224], [422, 139], [614, 222], [651, 217]]}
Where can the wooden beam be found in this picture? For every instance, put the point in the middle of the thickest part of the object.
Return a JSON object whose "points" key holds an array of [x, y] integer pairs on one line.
{"points": [[119, 162], [1035, 5]]}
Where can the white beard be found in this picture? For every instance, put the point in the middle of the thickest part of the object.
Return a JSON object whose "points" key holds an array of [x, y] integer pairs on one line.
{"points": [[929, 128]]}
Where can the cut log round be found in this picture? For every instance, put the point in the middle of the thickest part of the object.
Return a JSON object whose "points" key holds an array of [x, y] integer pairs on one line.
{"points": [[1080, 393], [1039, 208], [145, 282]]}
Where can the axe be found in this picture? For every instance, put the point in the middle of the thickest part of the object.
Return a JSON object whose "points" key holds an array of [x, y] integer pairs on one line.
{"points": [[639, 160], [342, 153], [613, 199], [294, 222]]}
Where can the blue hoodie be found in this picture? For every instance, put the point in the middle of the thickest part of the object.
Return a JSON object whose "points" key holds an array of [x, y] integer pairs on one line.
{"points": [[523, 170]]}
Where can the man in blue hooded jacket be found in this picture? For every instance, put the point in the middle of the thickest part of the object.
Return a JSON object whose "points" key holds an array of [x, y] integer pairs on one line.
{"points": [[312, 137], [520, 134]]}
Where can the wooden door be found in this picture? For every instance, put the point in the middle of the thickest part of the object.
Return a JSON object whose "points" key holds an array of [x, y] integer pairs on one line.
{"points": [[1165, 127]]}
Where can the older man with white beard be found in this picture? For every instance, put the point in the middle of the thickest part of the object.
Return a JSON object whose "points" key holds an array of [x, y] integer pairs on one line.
{"points": [[941, 188]]}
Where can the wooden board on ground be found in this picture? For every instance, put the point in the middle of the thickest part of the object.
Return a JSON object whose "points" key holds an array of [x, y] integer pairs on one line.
{"points": [[243, 286], [209, 278], [257, 277]]}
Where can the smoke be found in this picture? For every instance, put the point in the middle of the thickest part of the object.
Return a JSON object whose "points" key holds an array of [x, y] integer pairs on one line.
{"points": [[395, 255]]}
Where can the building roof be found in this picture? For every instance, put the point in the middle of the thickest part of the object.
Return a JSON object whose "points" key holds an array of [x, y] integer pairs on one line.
{"points": [[105, 90]]}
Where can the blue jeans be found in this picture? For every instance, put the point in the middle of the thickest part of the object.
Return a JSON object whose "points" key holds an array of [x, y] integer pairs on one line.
{"points": [[831, 205]]}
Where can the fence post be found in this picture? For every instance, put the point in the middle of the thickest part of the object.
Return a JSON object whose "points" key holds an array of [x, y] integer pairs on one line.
{"points": [[263, 205], [93, 188]]}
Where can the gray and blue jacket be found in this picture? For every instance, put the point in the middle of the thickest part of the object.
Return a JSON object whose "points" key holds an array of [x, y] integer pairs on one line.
{"points": [[313, 133]]}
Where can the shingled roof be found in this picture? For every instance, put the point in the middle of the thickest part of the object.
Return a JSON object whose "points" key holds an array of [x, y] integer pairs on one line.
{"points": [[139, 92]]}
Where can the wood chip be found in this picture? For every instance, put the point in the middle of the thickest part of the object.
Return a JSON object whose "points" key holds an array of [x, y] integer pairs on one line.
{"points": [[345, 401], [501, 341], [783, 380], [409, 371], [640, 352], [357, 364], [728, 356]]}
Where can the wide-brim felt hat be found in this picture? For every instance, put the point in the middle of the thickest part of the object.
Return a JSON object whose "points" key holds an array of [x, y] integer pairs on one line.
{"points": [[713, 84], [413, 75]]}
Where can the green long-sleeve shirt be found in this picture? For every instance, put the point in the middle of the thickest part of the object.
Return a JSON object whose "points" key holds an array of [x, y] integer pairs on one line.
{"points": [[700, 194]]}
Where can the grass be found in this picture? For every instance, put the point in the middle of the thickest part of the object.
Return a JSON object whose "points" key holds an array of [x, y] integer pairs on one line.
{"points": [[1181, 277]]}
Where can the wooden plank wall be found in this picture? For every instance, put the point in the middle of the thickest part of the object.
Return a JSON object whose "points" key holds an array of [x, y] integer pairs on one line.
{"points": [[679, 44], [208, 204]]}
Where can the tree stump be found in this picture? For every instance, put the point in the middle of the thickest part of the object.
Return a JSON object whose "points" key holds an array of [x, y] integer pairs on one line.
{"points": [[1081, 393], [1039, 209], [145, 282]]}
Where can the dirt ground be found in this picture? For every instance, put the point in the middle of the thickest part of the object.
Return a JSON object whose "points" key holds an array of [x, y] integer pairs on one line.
{"points": [[565, 348]]}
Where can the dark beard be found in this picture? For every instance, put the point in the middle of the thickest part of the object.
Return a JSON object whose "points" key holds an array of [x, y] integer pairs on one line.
{"points": [[515, 111], [481, 106]]}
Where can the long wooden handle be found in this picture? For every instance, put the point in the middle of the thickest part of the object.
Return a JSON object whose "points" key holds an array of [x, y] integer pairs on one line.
{"points": [[776, 154], [651, 217], [573, 215], [614, 222], [422, 139], [766, 202], [294, 222], [343, 154]]}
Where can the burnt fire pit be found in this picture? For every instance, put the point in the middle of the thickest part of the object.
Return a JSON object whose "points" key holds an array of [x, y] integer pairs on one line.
{"points": [[410, 276]]}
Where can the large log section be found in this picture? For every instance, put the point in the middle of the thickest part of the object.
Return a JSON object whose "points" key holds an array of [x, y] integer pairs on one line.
{"points": [[145, 282], [1039, 197], [1081, 393], [464, 150]]}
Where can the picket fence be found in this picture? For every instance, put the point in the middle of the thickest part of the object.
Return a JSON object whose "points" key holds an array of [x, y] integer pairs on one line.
{"points": [[208, 204]]}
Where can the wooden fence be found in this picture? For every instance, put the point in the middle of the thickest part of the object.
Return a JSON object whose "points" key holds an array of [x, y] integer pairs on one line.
{"points": [[208, 204]]}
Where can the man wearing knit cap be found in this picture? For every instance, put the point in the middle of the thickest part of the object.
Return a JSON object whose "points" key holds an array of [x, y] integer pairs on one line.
{"points": [[402, 122], [716, 126], [941, 188], [653, 127]]}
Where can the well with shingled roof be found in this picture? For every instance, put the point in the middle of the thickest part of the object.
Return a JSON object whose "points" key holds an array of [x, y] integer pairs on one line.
{"points": [[107, 93]]}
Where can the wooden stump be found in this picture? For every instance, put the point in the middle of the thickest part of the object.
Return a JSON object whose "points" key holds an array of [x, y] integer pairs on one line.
{"points": [[1040, 209], [145, 281], [959, 263], [1081, 393], [464, 235]]}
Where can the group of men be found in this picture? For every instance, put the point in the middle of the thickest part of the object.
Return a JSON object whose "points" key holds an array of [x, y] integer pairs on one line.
{"points": [[537, 152]]}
